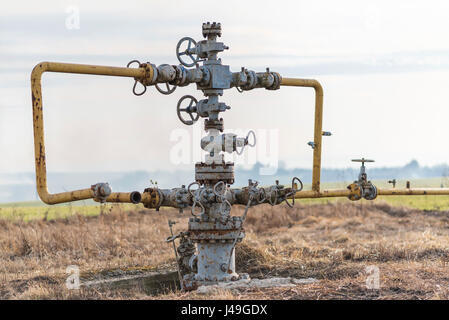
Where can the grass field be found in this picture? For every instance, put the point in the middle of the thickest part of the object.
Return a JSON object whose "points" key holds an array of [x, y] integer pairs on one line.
{"points": [[331, 240], [333, 243]]}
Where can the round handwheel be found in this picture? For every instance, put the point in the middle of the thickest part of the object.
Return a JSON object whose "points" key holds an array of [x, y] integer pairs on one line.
{"points": [[295, 188], [250, 133], [262, 195], [220, 189], [191, 45], [191, 110], [295, 185], [168, 91]]}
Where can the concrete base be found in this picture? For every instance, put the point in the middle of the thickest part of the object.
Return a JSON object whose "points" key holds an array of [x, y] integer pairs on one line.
{"points": [[191, 281], [253, 283]]}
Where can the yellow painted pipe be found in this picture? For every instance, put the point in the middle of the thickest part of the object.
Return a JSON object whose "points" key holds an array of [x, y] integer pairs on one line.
{"points": [[318, 133], [128, 197], [318, 130], [413, 192], [380, 192], [38, 121], [322, 194]]}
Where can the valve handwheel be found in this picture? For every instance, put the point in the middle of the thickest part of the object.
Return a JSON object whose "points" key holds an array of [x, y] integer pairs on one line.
{"points": [[191, 110], [363, 160], [295, 189], [190, 52], [168, 91], [250, 133]]}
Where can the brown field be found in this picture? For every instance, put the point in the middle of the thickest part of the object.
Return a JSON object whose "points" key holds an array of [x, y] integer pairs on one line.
{"points": [[330, 242]]}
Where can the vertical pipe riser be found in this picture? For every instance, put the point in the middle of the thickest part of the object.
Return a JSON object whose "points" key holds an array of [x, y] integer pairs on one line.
{"points": [[213, 259]]}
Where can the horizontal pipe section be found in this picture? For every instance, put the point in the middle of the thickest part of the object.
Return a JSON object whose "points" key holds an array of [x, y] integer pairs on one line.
{"points": [[322, 194], [38, 121], [126, 197], [380, 192], [413, 192], [318, 133]]}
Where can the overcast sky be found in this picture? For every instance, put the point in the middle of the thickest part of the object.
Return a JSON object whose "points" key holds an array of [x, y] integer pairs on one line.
{"points": [[384, 67]]}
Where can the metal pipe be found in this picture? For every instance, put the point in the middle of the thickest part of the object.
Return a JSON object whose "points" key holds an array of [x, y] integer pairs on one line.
{"points": [[38, 122], [323, 193], [380, 192], [318, 133], [413, 192], [128, 197], [316, 193]]}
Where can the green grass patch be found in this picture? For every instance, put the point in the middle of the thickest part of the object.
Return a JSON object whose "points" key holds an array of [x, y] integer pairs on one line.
{"points": [[46, 212]]}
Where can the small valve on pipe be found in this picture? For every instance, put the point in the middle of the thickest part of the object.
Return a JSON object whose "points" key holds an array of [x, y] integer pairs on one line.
{"points": [[362, 188], [311, 144], [393, 182]]}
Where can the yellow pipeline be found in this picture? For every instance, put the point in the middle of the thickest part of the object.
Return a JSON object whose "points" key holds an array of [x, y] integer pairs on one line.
{"points": [[318, 133], [323, 193], [380, 192], [130, 197], [38, 122], [413, 192]]}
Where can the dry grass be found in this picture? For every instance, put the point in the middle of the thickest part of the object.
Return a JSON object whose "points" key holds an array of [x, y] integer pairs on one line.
{"points": [[331, 242]]}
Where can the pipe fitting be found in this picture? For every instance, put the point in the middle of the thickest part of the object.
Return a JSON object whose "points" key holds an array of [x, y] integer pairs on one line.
{"points": [[101, 191], [166, 73], [251, 80], [277, 79], [150, 74]]}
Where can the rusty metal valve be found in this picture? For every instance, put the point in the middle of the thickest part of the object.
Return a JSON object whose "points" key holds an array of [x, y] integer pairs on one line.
{"points": [[101, 191], [362, 188]]}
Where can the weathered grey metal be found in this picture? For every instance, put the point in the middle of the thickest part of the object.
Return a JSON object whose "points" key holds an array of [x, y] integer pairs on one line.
{"points": [[211, 173], [101, 191], [366, 189], [210, 198]]}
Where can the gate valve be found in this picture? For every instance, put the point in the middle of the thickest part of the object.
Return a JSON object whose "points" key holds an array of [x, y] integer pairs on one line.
{"points": [[166, 73], [362, 174], [362, 188], [228, 142], [393, 182], [253, 191], [275, 191]]}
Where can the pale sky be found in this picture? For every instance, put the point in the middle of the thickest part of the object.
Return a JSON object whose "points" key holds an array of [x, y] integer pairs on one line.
{"points": [[384, 67]]}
